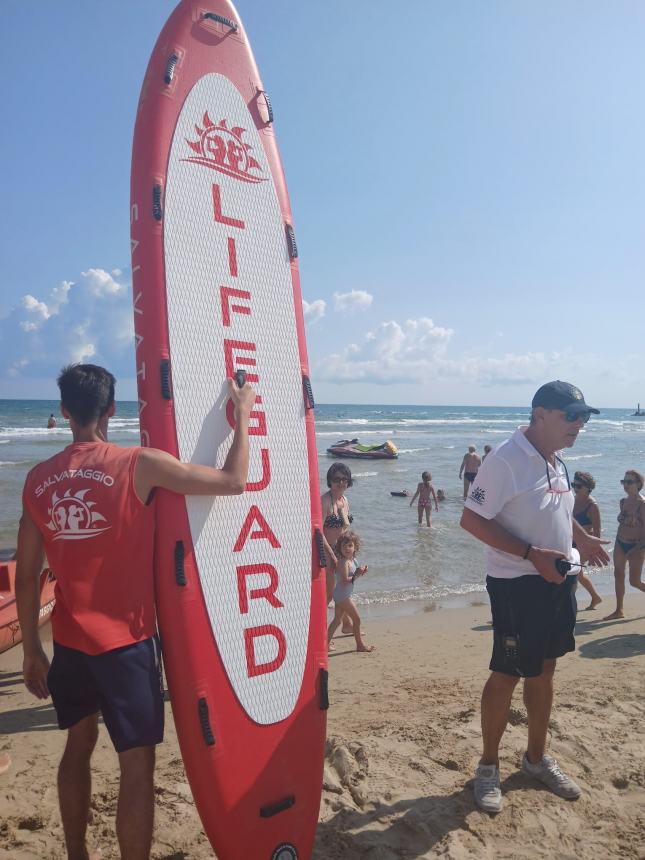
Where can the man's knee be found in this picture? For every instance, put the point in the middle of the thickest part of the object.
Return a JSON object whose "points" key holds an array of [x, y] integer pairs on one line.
{"points": [[82, 737], [502, 682], [548, 671], [138, 762]]}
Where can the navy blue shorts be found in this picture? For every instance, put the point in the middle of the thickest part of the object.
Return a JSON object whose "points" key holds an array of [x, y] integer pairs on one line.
{"points": [[125, 685], [533, 621]]}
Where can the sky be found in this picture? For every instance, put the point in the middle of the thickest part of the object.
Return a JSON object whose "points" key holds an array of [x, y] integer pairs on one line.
{"points": [[467, 181]]}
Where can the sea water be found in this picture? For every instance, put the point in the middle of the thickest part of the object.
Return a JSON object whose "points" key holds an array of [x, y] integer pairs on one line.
{"points": [[407, 562]]}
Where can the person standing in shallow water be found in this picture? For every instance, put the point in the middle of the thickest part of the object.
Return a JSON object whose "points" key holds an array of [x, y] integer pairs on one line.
{"points": [[425, 492], [521, 507], [630, 540], [51, 422], [469, 467], [587, 513]]}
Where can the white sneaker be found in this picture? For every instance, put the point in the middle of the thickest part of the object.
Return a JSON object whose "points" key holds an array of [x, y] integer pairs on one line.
{"points": [[488, 794], [548, 772]]}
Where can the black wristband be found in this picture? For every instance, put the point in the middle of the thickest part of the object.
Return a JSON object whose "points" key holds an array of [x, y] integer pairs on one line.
{"points": [[527, 551]]}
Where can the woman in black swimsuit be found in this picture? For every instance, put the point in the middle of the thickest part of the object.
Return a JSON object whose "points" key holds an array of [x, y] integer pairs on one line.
{"points": [[630, 540], [336, 519], [587, 513]]}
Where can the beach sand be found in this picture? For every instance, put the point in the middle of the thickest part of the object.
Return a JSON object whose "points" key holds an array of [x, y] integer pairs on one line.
{"points": [[403, 741]]}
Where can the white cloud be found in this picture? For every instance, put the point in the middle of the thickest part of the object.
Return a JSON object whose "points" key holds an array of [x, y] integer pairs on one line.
{"points": [[102, 283], [81, 349], [314, 311], [42, 311], [511, 368], [89, 320], [33, 306], [354, 300], [416, 351], [392, 352]]}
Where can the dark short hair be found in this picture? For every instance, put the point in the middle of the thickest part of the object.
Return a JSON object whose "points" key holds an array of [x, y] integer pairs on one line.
{"points": [[339, 470], [86, 392], [585, 478], [425, 475]]}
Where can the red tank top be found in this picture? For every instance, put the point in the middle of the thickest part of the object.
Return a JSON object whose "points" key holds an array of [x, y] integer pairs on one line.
{"points": [[99, 538]]}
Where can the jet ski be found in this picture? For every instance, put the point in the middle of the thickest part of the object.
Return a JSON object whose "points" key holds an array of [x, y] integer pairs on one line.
{"points": [[353, 448]]}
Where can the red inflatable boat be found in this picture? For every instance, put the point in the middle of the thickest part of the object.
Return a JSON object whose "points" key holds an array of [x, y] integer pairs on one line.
{"points": [[10, 633]]}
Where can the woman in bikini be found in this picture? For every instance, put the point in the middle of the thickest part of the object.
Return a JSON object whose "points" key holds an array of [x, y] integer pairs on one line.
{"points": [[630, 540], [587, 513], [336, 520]]}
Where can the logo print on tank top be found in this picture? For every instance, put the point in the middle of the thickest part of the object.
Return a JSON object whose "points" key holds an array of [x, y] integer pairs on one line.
{"points": [[72, 517]]}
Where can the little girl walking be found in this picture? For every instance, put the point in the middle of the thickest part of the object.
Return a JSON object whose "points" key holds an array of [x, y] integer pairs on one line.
{"points": [[425, 492], [347, 547]]}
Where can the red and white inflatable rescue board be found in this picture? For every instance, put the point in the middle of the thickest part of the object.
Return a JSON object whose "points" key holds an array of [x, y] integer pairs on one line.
{"points": [[240, 587]]}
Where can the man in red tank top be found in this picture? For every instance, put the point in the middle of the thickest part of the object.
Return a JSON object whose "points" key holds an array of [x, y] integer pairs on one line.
{"points": [[90, 509]]}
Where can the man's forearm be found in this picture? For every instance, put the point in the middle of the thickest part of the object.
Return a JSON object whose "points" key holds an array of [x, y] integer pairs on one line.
{"points": [[28, 606], [237, 460], [492, 533]]}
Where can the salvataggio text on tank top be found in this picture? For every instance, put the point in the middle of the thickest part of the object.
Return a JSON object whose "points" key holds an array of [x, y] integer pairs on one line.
{"points": [[88, 474], [235, 307]]}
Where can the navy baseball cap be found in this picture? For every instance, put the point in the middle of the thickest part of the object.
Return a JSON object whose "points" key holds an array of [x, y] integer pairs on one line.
{"points": [[562, 395]]}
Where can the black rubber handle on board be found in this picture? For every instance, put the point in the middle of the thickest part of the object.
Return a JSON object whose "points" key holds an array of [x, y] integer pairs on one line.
{"points": [[205, 723]]}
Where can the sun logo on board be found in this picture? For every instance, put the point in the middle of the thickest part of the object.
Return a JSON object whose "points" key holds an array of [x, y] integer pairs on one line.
{"points": [[72, 518], [222, 148]]}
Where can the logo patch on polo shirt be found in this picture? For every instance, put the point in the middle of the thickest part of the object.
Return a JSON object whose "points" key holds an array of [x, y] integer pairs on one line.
{"points": [[478, 495]]}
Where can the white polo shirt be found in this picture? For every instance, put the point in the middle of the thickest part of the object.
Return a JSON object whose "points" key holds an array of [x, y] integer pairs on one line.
{"points": [[511, 487]]}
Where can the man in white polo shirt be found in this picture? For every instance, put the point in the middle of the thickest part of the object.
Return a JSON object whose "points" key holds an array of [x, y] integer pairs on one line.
{"points": [[521, 506]]}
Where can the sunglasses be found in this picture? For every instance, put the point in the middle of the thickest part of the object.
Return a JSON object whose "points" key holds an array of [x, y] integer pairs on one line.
{"points": [[566, 475], [572, 417], [339, 481], [626, 481], [578, 486]]}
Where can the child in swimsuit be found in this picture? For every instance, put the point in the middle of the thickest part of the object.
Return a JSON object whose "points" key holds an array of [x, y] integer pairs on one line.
{"points": [[347, 547], [424, 491], [630, 540]]}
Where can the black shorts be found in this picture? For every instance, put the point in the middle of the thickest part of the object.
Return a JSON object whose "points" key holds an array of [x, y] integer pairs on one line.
{"points": [[533, 621], [125, 685], [470, 476]]}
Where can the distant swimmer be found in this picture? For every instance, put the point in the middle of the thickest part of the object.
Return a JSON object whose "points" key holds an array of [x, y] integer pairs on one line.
{"points": [[51, 422], [469, 467]]}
